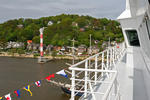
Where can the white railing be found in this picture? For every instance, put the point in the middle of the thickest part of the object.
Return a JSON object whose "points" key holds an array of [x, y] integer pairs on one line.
{"points": [[96, 72]]}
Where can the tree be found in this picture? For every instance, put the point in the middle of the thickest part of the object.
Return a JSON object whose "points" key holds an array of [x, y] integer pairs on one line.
{"points": [[36, 39], [81, 22], [59, 33], [20, 51], [3, 43], [111, 36], [98, 35]]}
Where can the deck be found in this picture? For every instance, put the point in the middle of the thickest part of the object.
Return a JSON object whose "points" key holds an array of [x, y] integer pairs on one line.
{"points": [[120, 78], [130, 78]]}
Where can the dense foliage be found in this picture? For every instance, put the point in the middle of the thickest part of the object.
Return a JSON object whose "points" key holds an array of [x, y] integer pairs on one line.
{"points": [[61, 30]]}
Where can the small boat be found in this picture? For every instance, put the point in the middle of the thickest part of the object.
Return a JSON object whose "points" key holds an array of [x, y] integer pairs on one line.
{"points": [[65, 87], [68, 91]]}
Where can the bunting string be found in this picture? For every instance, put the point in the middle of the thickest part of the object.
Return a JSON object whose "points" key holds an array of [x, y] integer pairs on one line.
{"points": [[17, 92], [27, 88], [37, 83]]}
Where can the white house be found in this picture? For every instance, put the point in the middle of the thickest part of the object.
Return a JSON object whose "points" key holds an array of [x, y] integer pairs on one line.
{"points": [[50, 23]]}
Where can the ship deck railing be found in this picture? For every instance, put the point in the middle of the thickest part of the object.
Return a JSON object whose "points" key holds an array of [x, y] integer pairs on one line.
{"points": [[96, 76]]}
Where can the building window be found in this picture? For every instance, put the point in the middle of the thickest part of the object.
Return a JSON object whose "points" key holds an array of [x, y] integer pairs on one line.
{"points": [[149, 1], [132, 37]]}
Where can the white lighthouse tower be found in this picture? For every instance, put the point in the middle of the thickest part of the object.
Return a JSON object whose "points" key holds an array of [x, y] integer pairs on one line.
{"points": [[41, 41], [41, 59]]}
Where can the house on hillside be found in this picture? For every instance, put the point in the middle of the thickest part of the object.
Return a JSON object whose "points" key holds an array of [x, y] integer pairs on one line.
{"points": [[104, 27], [49, 48], [49, 23], [35, 47], [20, 26], [63, 49], [18, 45], [74, 24], [29, 41], [81, 49], [29, 45], [96, 41], [113, 43], [94, 49], [60, 53], [87, 26], [15, 45], [68, 49], [57, 48], [82, 29], [104, 45]]}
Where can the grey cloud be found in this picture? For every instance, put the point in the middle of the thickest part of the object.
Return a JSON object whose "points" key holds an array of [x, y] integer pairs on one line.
{"points": [[37, 8]]}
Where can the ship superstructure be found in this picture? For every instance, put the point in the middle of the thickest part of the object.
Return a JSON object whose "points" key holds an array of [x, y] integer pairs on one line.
{"points": [[121, 72]]}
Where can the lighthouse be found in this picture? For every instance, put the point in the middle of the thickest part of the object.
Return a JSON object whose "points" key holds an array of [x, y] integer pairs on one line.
{"points": [[41, 59], [41, 41]]}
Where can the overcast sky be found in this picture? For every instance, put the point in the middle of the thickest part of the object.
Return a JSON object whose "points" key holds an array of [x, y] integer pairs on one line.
{"points": [[11, 9]]}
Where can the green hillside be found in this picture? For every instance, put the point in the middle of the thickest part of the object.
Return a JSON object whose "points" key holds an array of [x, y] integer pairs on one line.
{"points": [[64, 27]]}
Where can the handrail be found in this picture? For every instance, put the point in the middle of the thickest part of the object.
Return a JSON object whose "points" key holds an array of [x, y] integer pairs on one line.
{"points": [[91, 81], [104, 73], [93, 70], [81, 62]]}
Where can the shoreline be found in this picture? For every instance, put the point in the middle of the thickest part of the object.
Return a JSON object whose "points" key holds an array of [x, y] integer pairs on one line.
{"points": [[5, 54]]}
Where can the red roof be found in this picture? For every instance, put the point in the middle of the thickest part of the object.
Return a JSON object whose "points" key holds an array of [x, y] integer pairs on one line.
{"points": [[29, 41]]}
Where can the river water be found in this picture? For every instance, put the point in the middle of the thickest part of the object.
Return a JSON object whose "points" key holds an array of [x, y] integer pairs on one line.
{"points": [[16, 73]]}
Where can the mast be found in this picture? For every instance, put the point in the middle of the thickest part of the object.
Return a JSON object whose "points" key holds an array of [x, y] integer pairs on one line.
{"points": [[109, 42], [73, 51], [90, 52]]}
